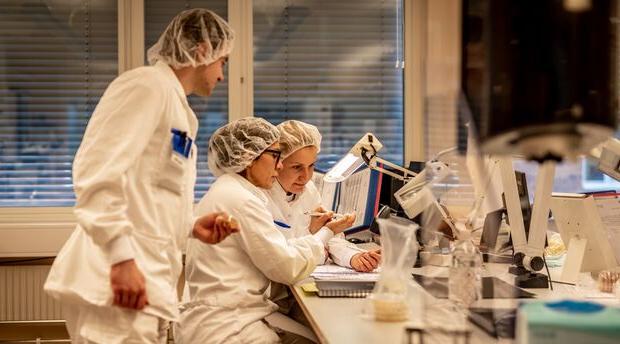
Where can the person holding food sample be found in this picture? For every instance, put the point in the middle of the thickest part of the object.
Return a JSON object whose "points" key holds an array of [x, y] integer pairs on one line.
{"points": [[134, 176]]}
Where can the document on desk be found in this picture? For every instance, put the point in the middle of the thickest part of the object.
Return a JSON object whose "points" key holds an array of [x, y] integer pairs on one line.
{"points": [[335, 272], [586, 292]]}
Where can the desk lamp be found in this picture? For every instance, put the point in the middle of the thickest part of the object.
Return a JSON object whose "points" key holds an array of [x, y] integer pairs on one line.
{"points": [[365, 152], [608, 156], [412, 197]]}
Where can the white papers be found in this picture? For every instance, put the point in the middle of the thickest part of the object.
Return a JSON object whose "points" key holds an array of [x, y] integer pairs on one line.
{"points": [[354, 196], [348, 196], [335, 272]]}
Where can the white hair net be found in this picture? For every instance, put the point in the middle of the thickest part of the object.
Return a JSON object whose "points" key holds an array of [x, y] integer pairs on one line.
{"points": [[234, 146], [178, 44], [295, 135]]}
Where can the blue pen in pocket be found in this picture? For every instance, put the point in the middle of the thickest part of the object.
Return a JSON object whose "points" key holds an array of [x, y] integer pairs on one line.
{"points": [[281, 224]]}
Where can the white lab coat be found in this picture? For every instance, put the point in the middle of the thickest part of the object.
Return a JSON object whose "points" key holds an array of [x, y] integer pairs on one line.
{"points": [[131, 188], [229, 282], [292, 213]]}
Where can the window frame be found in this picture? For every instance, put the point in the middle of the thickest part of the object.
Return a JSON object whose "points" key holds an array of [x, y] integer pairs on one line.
{"points": [[41, 231]]}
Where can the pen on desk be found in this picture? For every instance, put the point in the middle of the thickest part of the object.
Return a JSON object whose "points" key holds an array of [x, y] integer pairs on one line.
{"points": [[281, 224]]}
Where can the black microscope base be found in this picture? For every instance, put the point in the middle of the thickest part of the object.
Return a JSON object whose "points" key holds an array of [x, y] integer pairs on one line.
{"points": [[532, 280]]}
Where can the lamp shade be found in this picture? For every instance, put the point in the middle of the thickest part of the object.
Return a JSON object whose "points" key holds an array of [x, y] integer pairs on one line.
{"points": [[541, 77]]}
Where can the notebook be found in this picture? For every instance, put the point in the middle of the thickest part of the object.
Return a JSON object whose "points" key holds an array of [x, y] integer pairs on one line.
{"points": [[338, 281], [344, 288]]}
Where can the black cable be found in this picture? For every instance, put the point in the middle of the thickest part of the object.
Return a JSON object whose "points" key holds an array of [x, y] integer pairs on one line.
{"points": [[548, 273], [566, 283], [364, 157]]}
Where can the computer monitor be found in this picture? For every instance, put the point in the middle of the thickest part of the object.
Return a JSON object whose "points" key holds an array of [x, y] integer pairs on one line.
{"points": [[589, 228], [490, 230], [524, 201], [493, 219], [383, 213]]}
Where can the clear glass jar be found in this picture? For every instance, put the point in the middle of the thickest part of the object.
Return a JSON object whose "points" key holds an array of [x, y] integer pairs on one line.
{"points": [[465, 281]]}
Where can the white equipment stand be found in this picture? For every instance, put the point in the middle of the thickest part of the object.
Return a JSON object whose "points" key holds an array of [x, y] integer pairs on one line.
{"points": [[528, 251]]}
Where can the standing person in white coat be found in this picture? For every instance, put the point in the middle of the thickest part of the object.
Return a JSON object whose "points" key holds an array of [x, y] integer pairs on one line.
{"points": [[294, 195], [134, 176], [229, 283]]}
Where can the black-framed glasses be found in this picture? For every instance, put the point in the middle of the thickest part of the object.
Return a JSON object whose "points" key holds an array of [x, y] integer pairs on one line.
{"points": [[275, 153]]}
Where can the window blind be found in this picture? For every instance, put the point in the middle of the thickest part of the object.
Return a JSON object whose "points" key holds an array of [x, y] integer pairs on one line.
{"points": [[334, 64], [212, 112], [56, 59]]}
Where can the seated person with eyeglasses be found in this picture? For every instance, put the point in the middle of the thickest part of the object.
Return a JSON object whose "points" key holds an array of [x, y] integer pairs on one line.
{"points": [[229, 283]]}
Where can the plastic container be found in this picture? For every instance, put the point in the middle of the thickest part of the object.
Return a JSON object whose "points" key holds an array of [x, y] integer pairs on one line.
{"points": [[391, 298]]}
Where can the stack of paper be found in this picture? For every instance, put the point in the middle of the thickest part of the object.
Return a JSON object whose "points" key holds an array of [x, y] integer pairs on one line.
{"points": [[337, 281], [335, 272]]}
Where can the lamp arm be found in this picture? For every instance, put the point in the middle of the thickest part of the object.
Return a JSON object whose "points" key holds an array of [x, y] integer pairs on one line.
{"points": [[528, 250], [540, 217], [444, 152], [406, 174]]}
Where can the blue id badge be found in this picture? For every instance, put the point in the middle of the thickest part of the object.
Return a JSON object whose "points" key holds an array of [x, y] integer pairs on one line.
{"points": [[181, 143]]}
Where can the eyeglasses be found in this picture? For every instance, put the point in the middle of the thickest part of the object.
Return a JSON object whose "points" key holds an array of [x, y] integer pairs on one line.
{"points": [[275, 153]]}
